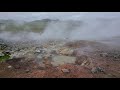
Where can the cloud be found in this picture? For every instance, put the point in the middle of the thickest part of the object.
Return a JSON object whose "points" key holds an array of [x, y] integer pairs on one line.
{"points": [[28, 16]]}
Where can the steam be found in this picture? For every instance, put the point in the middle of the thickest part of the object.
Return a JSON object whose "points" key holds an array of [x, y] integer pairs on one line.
{"points": [[89, 30], [96, 29], [21, 36]]}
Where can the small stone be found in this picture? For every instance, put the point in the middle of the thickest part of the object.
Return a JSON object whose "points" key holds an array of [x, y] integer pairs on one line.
{"points": [[37, 51], [94, 70], [84, 63], [97, 70], [100, 69], [9, 67], [27, 70], [65, 70]]}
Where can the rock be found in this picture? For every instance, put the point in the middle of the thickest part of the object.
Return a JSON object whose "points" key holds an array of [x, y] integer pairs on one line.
{"points": [[27, 70], [65, 70], [94, 70], [9, 67], [19, 54], [16, 62], [37, 51], [41, 66], [47, 62], [46, 45], [103, 54], [30, 55], [35, 67], [54, 52], [1, 54], [41, 51], [114, 55], [17, 67], [81, 59], [7, 52], [86, 50], [100, 69], [47, 57], [85, 62], [78, 62], [40, 57], [97, 70], [3, 46], [66, 51], [60, 60]]}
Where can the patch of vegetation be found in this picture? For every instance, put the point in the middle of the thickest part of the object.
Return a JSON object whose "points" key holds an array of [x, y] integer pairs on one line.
{"points": [[4, 58]]}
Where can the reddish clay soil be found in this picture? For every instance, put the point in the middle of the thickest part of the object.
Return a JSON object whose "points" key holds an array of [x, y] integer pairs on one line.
{"points": [[90, 66], [111, 70]]}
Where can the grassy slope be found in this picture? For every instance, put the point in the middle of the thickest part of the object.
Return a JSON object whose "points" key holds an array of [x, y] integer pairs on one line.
{"points": [[35, 26]]}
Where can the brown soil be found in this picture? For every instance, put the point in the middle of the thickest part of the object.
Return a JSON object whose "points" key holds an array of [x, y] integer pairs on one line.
{"points": [[24, 68], [112, 70]]}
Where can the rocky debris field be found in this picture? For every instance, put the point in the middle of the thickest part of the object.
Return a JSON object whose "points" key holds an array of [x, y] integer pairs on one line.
{"points": [[59, 59]]}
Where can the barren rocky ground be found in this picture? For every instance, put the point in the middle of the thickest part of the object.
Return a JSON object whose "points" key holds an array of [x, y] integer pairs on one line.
{"points": [[59, 59]]}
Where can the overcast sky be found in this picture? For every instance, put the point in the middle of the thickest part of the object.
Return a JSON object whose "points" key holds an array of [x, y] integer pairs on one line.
{"points": [[28, 16]]}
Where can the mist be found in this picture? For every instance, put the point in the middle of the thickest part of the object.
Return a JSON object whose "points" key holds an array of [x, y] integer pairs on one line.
{"points": [[97, 28], [87, 30]]}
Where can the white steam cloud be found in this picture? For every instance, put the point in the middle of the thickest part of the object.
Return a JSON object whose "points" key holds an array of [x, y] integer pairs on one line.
{"points": [[89, 30]]}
